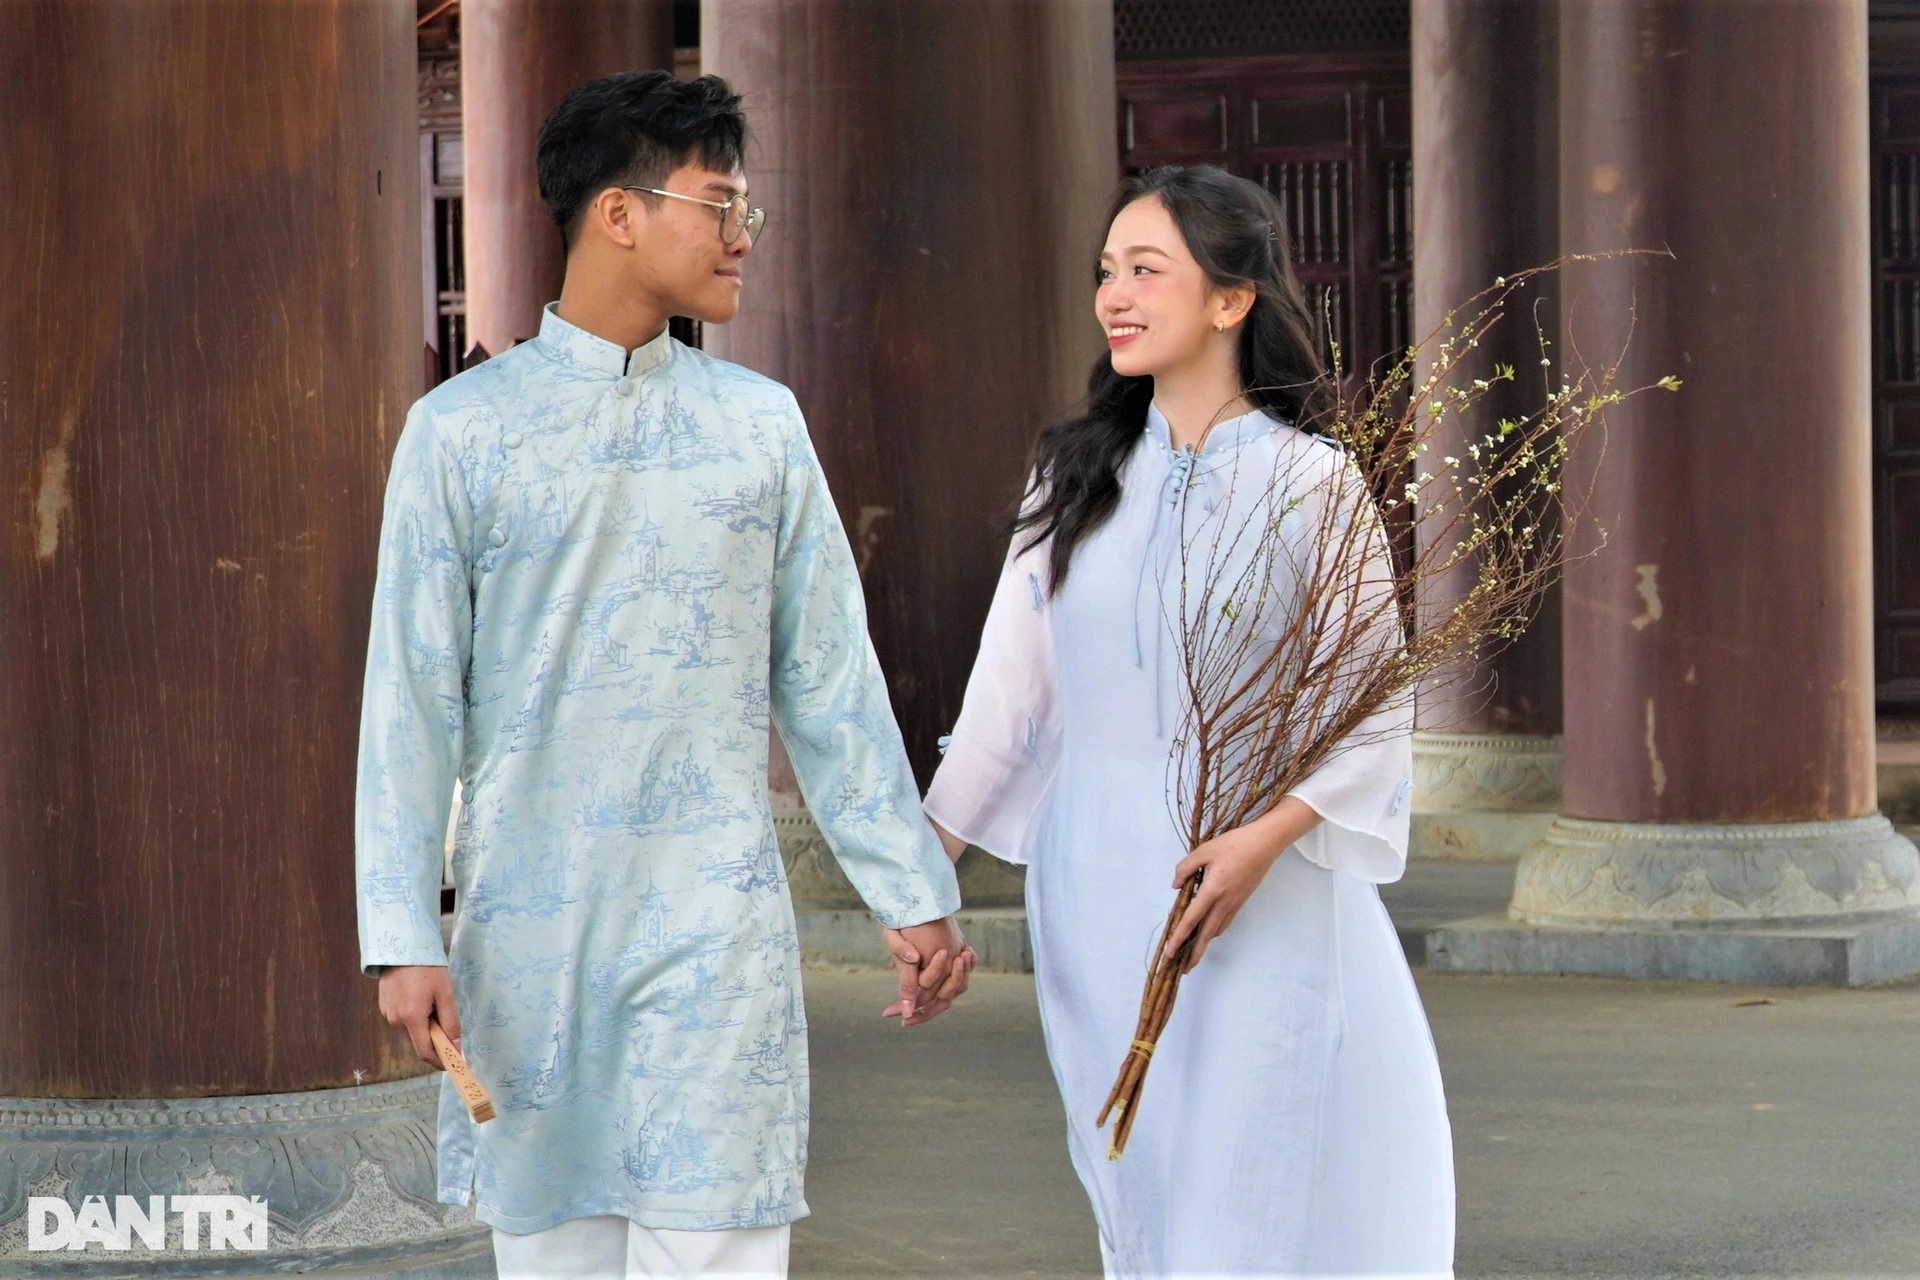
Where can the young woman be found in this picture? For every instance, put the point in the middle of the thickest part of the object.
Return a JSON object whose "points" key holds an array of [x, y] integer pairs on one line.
{"points": [[1293, 1122]]}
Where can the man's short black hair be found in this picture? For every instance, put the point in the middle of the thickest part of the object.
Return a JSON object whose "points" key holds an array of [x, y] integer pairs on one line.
{"points": [[633, 129]]}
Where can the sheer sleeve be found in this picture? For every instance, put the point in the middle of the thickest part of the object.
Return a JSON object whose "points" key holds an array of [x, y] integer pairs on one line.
{"points": [[1002, 754], [1362, 790]]}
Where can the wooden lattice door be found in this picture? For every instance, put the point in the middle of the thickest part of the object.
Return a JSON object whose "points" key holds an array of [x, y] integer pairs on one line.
{"points": [[1896, 374], [1328, 134]]}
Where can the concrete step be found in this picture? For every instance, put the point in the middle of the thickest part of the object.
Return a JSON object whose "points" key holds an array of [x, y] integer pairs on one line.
{"points": [[998, 936], [1436, 892], [1432, 893], [474, 1263]]}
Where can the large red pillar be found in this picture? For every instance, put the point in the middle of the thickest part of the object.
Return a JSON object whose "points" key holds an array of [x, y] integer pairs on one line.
{"points": [[518, 58], [208, 342], [935, 175], [1486, 205], [1719, 817], [1735, 586]]}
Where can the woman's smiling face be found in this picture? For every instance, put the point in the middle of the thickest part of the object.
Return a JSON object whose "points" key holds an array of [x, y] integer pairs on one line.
{"points": [[1154, 301]]}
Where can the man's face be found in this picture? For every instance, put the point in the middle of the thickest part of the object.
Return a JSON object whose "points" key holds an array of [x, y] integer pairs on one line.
{"points": [[681, 258]]}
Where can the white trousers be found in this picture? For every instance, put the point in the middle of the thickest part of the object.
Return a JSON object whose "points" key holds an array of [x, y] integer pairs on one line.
{"points": [[617, 1248]]}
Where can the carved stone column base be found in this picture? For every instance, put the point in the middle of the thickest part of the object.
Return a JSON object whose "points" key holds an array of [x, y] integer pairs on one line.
{"points": [[348, 1176], [814, 878], [1482, 797], [1475, 837], [1834, 903], [833, 922], [1813, 873]]}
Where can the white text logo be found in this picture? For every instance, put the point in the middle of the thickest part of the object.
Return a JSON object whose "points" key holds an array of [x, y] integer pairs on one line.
{"points": [[233, 1222]]}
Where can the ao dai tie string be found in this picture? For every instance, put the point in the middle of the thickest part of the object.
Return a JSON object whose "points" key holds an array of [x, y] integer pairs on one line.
{"points": [[1179, 475]]}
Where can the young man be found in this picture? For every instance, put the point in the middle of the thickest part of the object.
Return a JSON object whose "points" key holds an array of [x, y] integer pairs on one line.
{"points": [[606, 560]]}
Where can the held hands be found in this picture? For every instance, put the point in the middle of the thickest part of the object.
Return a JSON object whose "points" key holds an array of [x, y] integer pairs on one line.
{"points": [[934, 963], [408, 994], [1235, 863]]}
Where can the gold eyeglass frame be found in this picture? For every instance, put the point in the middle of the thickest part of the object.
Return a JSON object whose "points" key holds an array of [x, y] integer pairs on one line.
{"points": [[752, 218]]}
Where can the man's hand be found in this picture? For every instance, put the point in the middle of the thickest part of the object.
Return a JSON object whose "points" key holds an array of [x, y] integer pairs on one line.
{"points": [[409, 993], [934, 963]]}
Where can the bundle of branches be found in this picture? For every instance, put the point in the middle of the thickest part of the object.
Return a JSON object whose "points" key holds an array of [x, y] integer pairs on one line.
{"points": [[1307, 616]]}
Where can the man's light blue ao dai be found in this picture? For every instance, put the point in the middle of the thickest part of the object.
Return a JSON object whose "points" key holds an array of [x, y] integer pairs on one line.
{"points": [[600, 575]]}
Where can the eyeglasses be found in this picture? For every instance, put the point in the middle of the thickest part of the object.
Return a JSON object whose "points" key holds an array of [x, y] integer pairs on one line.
{"points": [[736, 215]]}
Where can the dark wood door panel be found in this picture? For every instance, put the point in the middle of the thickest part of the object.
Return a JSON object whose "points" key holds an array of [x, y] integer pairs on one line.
{"points": [[1330, 136], [1308, 118], [1896, 389], [1187, 123], [1903, 560]]}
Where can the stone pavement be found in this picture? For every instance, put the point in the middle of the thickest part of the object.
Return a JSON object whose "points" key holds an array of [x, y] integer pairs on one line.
{"points": [[1601, 1128]]}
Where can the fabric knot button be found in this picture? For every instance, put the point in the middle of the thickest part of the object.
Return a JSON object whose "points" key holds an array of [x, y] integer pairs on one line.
{"points": [[497, 537], [624, 387], [1179, 476], [1400, 795], [512, 439]]}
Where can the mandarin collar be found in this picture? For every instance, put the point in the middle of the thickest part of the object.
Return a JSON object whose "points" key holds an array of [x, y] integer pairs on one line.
{"points": [[569, 343], [1224, 438]]}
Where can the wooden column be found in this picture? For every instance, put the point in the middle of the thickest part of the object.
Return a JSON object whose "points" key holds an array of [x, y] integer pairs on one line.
{"points": [[1719, 817], [207, 347], [935, 175], [1485, 205], [1718, 647], [518, 59]]}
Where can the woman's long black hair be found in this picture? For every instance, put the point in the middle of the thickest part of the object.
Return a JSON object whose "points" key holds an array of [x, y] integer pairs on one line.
{"points": [[1236, 231]]}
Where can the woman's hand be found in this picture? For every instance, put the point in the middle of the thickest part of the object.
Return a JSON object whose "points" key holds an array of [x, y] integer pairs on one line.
{"points": [[1235, 862]]}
